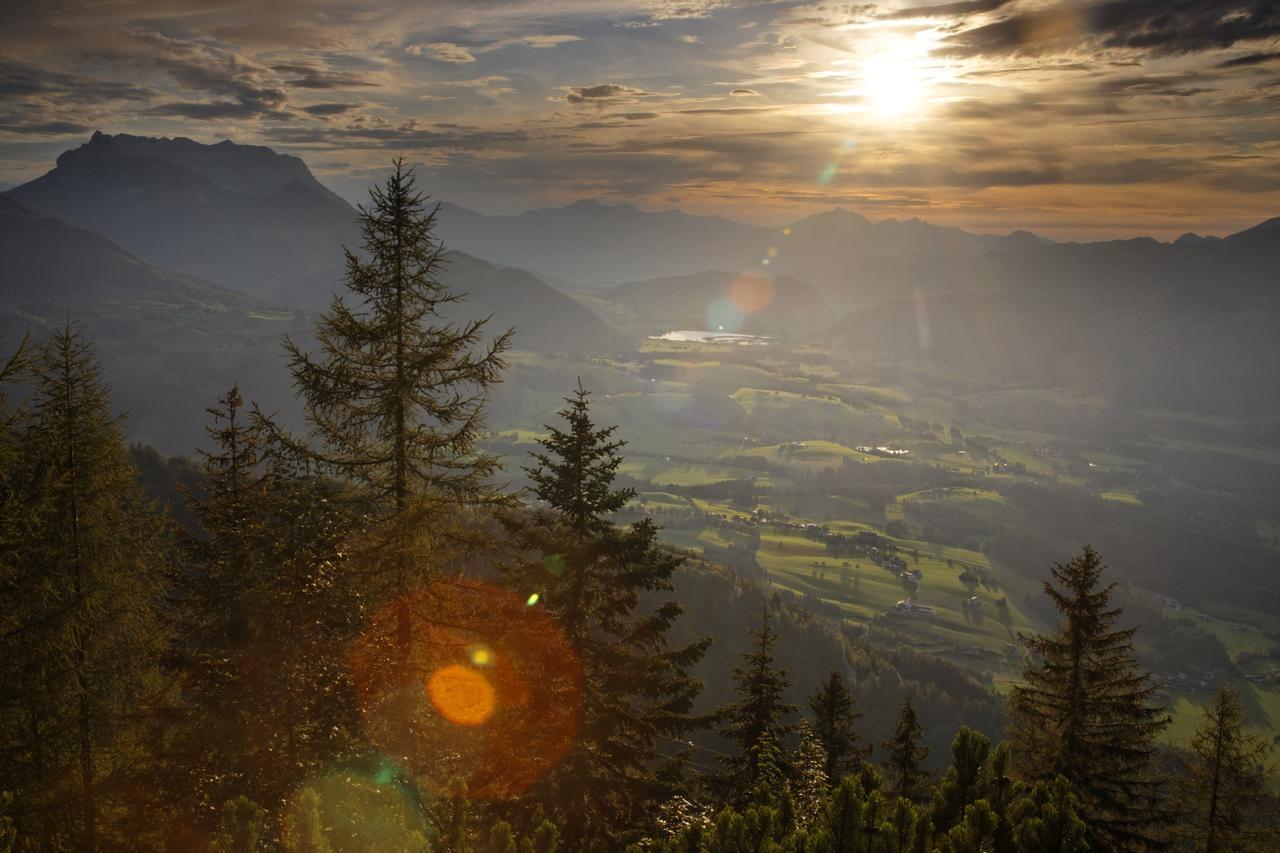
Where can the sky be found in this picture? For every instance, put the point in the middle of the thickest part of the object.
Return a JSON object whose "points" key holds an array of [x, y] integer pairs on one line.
{"points": [[1078, 120]]}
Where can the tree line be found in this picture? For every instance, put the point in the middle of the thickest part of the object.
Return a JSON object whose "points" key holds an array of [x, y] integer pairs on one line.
{"points": [[362, 641]]}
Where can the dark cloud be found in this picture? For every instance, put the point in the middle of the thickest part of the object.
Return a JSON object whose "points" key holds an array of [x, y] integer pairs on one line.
{"points": [[744, 93], [334, 109], [1157, 27], [313, 77], [1180, 86], [950, 10], [404, 136], [603, 92], [1249, 60], [19, 80], [42, 128]]}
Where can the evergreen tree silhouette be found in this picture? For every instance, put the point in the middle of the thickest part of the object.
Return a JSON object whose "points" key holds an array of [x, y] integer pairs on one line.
{"points": [[1082, 712]]}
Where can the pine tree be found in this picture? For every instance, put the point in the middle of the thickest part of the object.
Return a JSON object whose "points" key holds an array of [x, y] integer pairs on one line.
{"points": [[83, 636], [599, 580], [1082, 712], [757, 724], [904, 765], [395, 397], [1046, 819], [834, 721], [1225, 792], [960, 787]]}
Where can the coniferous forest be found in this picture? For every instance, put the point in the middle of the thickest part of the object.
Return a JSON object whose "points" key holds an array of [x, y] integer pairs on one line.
{"points": [[351, 634]]}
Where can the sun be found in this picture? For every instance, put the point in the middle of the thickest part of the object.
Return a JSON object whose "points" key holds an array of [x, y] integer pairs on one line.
{"points": [[894, 79], [892, 86]]}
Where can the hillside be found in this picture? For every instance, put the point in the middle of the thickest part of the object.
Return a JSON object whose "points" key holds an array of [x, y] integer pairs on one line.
{"points": [[1172, 350], [168, 342]]}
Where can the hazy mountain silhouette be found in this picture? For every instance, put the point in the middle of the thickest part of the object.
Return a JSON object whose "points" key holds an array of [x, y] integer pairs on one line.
{"points": [[245, 216], [240, 215], [1181, 350], [166, 340]]}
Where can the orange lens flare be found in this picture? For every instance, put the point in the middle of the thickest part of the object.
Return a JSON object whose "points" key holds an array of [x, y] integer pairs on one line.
{"points": [[463, 681], [752, 293], [462, 695]]}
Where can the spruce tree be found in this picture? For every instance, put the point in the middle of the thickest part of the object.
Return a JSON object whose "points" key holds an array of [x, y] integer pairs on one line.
{"points": [[904, 764], [83, 636], [395, 395], [757, 724], [834, 720], [1083, 713], [601, 582], [1224, 795]]}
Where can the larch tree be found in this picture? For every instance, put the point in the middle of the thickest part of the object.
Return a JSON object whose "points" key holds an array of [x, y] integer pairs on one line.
{"points": [[1224, 794], [835, 718], [263, 613], [904, 764], [758, 724], [86, 631], [609, 588], [395, 394], [1083, 712]]}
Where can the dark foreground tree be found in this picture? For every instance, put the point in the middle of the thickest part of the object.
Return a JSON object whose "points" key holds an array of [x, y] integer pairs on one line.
{"points": [[757, 724], [1082, 712], [606, 586], [264, 610], [1224, 795], [904, 764], [82, 637], [395, 395], [835, 720]]}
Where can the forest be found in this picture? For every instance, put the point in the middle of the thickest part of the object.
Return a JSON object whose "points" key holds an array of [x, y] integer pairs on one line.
{"points": [[358, 636]]}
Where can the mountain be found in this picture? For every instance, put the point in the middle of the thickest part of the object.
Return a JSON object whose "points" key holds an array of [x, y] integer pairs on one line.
{"points": [[598, 245], [241, 215], [1182, 351], [732, 302], [544, 319], [169, 343]]}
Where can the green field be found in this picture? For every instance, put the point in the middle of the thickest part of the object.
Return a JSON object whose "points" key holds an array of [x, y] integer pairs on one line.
{"points": [[716, 431]]}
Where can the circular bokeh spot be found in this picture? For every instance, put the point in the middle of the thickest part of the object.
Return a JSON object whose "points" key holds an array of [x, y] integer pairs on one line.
{"points": [[461, 694], [724, 315], [465, 683]]}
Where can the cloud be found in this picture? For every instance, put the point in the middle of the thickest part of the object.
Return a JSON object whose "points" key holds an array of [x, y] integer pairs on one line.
{"points": [[19, 79], [1155, 27], [949, 10], [442, 51], [545, 41], [1249, 60], [743, 93], [317, 77], [602, 93], [690, 39], [331, 109]]}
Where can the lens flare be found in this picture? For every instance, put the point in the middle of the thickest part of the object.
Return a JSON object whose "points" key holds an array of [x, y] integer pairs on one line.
{"points": [[724, 315], [752, 293], [461, 694], [465, 682]]}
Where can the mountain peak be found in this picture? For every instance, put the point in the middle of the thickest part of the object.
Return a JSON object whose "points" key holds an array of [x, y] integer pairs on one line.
{"points": [[248, 169]]}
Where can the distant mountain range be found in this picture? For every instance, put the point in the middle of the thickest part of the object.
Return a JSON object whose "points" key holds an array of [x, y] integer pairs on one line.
{"points": [[167, 248]]}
